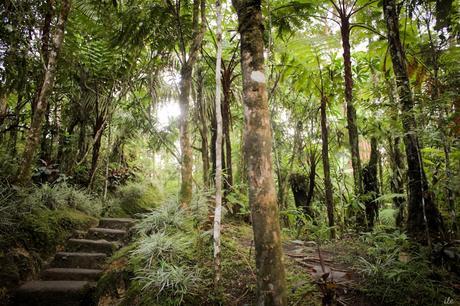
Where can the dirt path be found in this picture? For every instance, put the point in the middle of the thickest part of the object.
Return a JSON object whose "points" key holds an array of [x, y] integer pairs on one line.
{"points": [[336, 281]]}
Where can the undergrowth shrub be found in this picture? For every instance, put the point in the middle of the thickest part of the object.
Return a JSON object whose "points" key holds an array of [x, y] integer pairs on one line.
{"points": [[165, 258], [169, 216], [62, 196], [399, 273]]}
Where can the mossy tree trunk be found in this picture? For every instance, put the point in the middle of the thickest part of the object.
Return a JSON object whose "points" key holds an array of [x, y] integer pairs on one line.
{"points": [[424, 221], [218, 144], [326, 165], [41, 102], [188, 61], [271, 283]]}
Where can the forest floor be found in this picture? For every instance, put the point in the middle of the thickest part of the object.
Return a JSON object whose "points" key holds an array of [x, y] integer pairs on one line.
{"points": [[312, 272]]}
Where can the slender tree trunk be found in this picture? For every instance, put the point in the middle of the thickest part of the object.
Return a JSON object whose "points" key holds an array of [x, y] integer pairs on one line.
{"points": [[311, 178], [397, 182], [45, 142], [97, 141], [185, 196], [326, 167], [107, 161], [185, 145], [3, 107], [203, 129], [218, 208], [351, 111], [271, 283], [33, 138], [424, 221], [228, 144]]}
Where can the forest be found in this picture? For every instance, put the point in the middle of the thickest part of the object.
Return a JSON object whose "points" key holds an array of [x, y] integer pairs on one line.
{"points": [[239, 152]]}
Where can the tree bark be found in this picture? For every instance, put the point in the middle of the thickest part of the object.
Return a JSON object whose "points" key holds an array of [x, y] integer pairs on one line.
{"points": [[33, 138], [218, 179], [271, 283], [185, 145], [371, 185], [424, 221], [397, 182], [185, 195], [203, 127], [226, 88], [351, 111], [326, 166], [97, 140]]}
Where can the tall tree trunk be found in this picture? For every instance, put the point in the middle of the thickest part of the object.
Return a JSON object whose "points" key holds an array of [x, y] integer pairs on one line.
{"points": [[371, 185], [3, 107], [203, 127], [33, 138], [185, 145], [311, 177], [326, 166], [185, 195], [218, 179], [97, 140], [424, 221], [351, 111], [107, 161], [228, 144], [45, 142], [271, 283], [397, 182]]}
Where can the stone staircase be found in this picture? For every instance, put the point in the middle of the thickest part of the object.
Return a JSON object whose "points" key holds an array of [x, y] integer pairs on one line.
{"points": [[70, 278]]}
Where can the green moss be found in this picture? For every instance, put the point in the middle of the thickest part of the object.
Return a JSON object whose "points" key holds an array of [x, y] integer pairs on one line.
{"points": [[34, 238], [44, 229], [136, 198]]}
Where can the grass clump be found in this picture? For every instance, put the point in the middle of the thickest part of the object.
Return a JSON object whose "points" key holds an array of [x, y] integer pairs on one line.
{"points": [[62, 196], [164, 261], [167, 217]]}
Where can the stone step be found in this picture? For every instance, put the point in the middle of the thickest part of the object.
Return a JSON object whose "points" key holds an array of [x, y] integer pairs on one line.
{"points": [[54, 293], [92, 246], [78, 260], [116, 223], [71, 274], [108, 234], [79, 234]]}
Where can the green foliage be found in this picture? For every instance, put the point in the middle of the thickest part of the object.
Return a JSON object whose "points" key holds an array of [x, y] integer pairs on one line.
{"points": [[169, 216], [137, 198], [396, 276], [163, 247], [164, 257], [61, 196], [170, 282]]}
